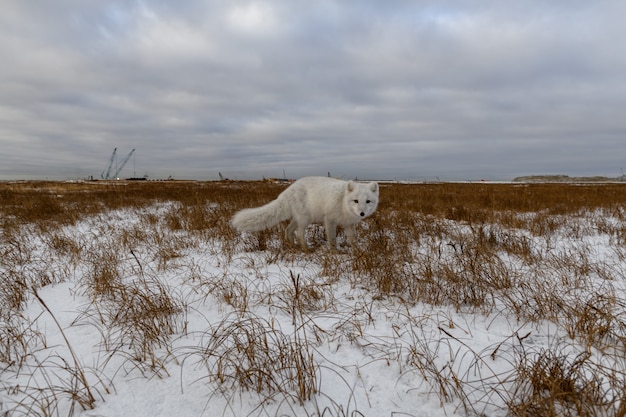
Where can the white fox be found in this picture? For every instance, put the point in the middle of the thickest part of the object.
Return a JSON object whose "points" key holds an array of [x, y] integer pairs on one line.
{"points": [[314, 200]]}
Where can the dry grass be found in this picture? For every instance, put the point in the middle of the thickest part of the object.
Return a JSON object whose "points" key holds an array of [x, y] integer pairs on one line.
{"points": [[525, 252], [247, 352]]}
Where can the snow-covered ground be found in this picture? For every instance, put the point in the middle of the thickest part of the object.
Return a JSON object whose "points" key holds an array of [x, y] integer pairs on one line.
{"points": [[246, 334]]}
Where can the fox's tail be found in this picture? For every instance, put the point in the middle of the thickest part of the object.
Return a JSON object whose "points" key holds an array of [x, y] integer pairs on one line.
{"points": [[259, 218]]}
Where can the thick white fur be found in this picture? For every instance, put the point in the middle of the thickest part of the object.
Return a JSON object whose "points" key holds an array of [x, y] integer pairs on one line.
{"points": [[309, 200]]}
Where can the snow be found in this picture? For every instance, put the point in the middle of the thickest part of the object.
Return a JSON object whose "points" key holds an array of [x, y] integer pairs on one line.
{"points": [[373, 355]]}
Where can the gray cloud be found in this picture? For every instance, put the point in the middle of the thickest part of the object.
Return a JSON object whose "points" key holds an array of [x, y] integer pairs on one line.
{"points": [[369, 89]]}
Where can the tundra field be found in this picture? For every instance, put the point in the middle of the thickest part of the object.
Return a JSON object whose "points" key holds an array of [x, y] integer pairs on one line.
{"points": [[139, 299]]}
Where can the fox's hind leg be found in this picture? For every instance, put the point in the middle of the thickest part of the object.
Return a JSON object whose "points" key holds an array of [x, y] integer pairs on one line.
{"points": [[294, 230], [331, 233], [300, 235], [289, 232]]}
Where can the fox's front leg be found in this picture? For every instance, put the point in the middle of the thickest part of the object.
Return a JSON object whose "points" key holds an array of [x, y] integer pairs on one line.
{"points": [[351, 234]]}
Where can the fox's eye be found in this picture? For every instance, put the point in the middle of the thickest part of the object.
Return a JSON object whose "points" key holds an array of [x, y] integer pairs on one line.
{"points": [[368, 201], [356, 201]]}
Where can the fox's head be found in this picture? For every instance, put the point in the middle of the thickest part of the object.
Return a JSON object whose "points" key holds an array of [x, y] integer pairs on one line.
{"points": [[362, 199]]}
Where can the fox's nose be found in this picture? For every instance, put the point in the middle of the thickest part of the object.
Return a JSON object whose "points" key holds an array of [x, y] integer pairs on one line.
{"points": [[362, 214]]}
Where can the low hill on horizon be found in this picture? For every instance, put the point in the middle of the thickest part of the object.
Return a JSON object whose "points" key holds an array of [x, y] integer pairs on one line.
{"points": [[567, 179]]}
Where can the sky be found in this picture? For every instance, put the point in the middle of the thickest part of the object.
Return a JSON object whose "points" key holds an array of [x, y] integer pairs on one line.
{"points": [[407, 90]]}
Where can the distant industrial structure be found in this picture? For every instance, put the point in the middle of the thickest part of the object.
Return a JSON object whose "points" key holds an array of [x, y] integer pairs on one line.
{"points": [[106, 173]]}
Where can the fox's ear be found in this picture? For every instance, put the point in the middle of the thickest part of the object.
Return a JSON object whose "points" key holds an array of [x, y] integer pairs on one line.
{"points": [[373, 186], [350, 186]]}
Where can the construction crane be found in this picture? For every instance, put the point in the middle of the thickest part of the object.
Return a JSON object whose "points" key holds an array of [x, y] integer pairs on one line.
{"points": [[108, 168], [123, 163], [119, 168]]}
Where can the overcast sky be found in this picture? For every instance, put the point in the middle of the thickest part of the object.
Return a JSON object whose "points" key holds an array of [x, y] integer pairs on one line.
{"points": [[368, 89]]}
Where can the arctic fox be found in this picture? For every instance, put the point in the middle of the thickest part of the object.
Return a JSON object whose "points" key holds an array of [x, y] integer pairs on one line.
{"points": [[314, 200]]}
